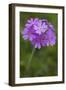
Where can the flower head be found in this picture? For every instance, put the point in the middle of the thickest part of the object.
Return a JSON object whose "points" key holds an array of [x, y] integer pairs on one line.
{"points": [[39, 32], [41, 27]]}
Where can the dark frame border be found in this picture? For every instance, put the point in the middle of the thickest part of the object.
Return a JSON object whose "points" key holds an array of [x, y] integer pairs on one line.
{"points": [[12, 43]]}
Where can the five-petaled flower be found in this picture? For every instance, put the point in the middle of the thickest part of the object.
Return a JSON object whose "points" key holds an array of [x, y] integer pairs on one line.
{"points": [[39, 32]]}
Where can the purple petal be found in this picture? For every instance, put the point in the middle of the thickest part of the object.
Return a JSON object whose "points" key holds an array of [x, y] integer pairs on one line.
{"points": [[25, 37], [37, 45]]}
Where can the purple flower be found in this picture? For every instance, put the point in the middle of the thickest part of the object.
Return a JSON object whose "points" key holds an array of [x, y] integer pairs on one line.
{"points": [[31, 22], [41, 27], [28, 34], [51, 37], [39, 32], [39, 41]]}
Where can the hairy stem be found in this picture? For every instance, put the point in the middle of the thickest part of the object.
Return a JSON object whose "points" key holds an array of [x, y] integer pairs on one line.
{"points": [[30, 59]]}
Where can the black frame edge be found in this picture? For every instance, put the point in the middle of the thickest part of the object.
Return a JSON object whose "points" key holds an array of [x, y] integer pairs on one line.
{"points": [[63, 38], [11, 46], [37, 5]]}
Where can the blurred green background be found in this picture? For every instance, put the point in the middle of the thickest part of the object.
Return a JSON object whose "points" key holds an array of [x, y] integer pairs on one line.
{"points": [[44, 61]]}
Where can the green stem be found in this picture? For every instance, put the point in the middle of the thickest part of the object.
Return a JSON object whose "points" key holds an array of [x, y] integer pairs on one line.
{"points": [[30, 59]]}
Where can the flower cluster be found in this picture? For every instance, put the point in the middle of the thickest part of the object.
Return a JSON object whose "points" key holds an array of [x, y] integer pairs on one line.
{"points": [[39, 32]]}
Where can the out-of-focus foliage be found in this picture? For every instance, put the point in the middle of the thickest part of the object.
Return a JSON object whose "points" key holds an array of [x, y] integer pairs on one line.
{"points": [[44, 61]]}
